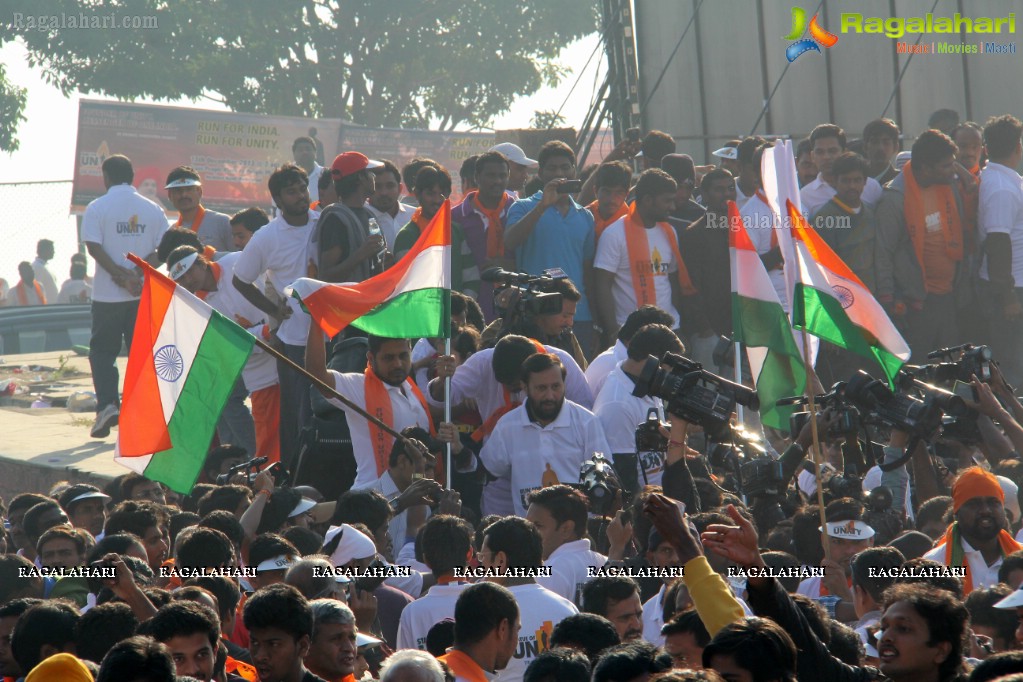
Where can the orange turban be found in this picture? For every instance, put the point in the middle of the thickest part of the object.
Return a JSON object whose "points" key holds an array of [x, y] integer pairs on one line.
{"points": [[975, 482]]}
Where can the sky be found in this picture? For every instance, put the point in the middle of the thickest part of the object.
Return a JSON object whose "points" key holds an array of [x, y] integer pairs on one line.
{"points": [[48, 136]]}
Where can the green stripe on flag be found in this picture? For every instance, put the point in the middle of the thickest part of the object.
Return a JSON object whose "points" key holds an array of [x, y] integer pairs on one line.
{"points": [[411, 315], [222, 353], [822, 315]]}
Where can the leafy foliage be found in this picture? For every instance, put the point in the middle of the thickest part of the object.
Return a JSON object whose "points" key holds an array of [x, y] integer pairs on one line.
{"points": [[12, 112], [401, 63]]}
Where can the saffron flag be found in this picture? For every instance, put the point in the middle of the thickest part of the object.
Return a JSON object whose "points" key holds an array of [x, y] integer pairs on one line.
{"points": [[760, 323], [184, 361], [832, 303], [408, 300]]}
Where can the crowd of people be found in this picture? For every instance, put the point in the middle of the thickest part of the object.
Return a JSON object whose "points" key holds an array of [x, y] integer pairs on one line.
{"points": [[570, 520], [37, 285]]}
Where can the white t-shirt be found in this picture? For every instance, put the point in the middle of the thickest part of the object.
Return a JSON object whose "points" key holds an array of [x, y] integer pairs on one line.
{"points": [[653, 618], [122, 221], [759, 220], [521, 450], [75, 291], [816, 193], [981, 574], [314, 183], [613, 256], [418, 617], [620, 413], [282, 252], [405, 408], [423, 349], [569, 564], [46, 279], [391, 225], [1000, 210], [261, 369], [602, 365], [539, 611]]}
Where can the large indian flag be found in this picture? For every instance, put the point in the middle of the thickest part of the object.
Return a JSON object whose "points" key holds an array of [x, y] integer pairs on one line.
{"points": [[760, 323], [411, 299], [184, 361], [832, 303]]}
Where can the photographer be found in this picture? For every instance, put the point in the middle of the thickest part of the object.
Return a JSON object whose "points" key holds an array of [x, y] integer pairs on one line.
{"points": [[554, 329]]}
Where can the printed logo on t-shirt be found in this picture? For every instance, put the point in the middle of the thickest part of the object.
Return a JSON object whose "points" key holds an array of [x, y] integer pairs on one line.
{"points": [[131, 226], [656, 266], [535, 643]]}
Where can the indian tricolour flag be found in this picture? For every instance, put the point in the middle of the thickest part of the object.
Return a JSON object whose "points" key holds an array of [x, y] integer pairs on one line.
{"points": [[184, 361], [409, 300], [760, 323], [832, 303]]}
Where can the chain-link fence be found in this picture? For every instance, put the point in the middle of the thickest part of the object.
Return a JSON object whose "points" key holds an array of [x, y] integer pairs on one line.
{"points": [[30, 211]]}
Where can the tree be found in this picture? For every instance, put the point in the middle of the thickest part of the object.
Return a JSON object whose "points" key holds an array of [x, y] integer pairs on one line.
{"points": [[410, 63], [543, 120], [12, 112]]}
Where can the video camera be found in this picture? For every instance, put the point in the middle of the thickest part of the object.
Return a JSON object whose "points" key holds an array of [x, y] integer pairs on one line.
{"points": [[693, 393], [532, 293], [600, 483], [917, 408], [962, 363], [847, 416], [251, 467]]}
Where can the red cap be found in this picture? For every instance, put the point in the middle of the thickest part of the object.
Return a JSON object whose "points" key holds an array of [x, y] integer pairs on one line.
{"points": [[350, 163]]}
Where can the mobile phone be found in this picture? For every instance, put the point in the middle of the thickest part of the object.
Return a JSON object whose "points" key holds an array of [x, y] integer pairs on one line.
{"points": [[570, 187], [632, 134]]}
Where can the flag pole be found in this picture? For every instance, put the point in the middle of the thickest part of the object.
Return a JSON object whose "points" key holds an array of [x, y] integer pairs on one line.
{"points": [[816, 445], [358, 409], [738, 379], [447, 415]]}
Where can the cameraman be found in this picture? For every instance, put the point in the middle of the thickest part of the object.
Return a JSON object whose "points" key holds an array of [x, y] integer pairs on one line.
{"points": [[554, 329], [620, 411]]}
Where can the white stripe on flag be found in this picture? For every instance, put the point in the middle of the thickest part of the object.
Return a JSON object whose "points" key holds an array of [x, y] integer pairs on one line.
{"points": [[176, 345]]}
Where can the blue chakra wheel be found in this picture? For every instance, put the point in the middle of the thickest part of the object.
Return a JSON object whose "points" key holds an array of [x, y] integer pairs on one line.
{"points": [[169, 363]]}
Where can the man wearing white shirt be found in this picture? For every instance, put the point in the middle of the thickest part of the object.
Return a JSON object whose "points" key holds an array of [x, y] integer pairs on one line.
{"points": [[120, 222], [660, 554], [386, 378], [827, 141], [44, 254], [620, 412], [492, 377], [447, 548], [544, 440], [597, 371], [1000, 230], [385, 203], [560, 515], [978, 538], [513, 543], [303, 149], [281, 250]]}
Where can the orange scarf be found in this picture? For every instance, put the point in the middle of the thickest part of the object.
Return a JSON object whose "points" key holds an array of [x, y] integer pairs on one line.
{"points": [[638, 247], [19, 289], [463, 666], [954, 555], [825, 591], [199, 215], [599, 224], [378, 404], [488, 426], [920, 202], [241, 669], [495, 226]]}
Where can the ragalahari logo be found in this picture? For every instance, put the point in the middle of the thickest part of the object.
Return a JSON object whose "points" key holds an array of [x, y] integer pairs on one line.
{"points": [[819, 37]]}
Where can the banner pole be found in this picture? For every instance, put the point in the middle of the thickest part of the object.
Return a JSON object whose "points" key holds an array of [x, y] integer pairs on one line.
{"points": [[447, 416], [816, 448]]}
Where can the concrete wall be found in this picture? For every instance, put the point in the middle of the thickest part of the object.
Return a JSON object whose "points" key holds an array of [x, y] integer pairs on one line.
{"points": [[736, 48]]}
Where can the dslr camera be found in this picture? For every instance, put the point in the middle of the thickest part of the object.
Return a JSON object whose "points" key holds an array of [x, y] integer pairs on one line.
{"points": [[693, 393], [599, 481], [847, 416]]}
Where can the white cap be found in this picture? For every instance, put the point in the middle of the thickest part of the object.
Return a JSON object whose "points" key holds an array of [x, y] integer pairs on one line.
{"points": [[901, 158], [1011, 502], [89, 495], [304, 505], [1012, 601], [183, 182], [354, 544], [726, 153], [849, 530], [278, 563], [178, 270], [363, 640], [514, 153]]}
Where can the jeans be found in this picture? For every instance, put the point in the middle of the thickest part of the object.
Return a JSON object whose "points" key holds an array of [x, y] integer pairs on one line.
{"points": [[236, 426], [295, 403], [932, 327], [111, 322], [1006, 336]]}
